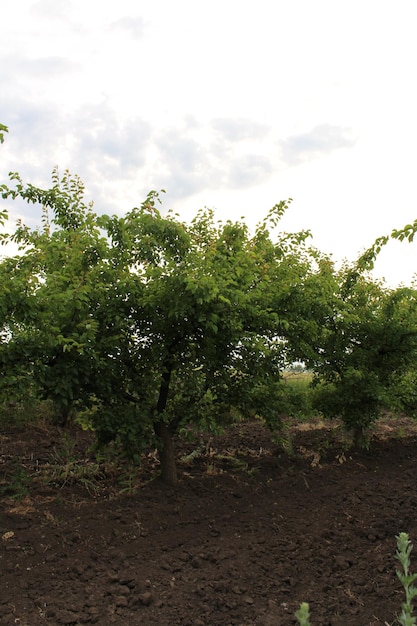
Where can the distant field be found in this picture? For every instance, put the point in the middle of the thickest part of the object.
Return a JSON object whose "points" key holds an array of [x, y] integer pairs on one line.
{"points": [[298, 379]]}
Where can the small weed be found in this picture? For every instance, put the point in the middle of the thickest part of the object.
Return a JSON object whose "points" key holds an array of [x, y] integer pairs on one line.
{"points": [[401, 433], [285, 440], [303, 614], [128, 481], [238, 464], [404, 547], [52, 519], [66, 453], [16, 486], [65, 468], [212, 470], [187, 459], [79, 473], [407, 579]]}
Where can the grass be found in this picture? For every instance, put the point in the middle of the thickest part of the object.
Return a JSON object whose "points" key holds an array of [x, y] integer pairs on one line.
{"points": [[300, 380], [66, 468]]}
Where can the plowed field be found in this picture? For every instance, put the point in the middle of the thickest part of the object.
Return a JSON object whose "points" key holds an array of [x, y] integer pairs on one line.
{"points": [[248, 534]]}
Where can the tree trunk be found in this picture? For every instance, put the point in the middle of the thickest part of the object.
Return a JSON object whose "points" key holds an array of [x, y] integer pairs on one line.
{"points": [[165, 434], [360, 437], [166, 454]]}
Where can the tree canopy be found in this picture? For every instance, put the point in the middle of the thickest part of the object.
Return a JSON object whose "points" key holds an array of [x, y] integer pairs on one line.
{"points": [[150, 323], [150, 326]]}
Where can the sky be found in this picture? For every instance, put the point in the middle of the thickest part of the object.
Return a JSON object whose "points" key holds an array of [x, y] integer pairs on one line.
{"points": [[233, 105]]}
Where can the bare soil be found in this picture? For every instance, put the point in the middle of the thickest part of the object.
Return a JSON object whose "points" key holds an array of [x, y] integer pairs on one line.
{"points": [[254, 528]]}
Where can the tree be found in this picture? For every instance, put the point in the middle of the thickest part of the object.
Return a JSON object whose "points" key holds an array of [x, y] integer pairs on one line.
{"points": [[367, 344], [149, 323], [48, 329], [198, 328]]}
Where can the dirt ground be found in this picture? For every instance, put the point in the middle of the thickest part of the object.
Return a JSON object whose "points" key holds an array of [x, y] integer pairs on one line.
{"points": [[248, 534]]}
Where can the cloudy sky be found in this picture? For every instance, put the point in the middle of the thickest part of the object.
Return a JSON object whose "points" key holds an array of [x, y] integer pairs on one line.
{"points": [[230, 104]]}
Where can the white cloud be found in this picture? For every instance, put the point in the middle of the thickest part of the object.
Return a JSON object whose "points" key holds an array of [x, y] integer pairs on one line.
{"points": [[320, 140], [101, 135], [40, 68], [134, 26], [238, 129], [250, 170], [229, 105], [51, 9]]}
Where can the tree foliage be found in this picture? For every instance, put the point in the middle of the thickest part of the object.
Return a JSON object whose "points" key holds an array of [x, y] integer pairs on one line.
{"points": [[47, 290], [3, 129], [148, 323], [367, 345]]}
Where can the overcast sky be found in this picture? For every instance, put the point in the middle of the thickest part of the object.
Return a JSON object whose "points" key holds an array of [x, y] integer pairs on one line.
{"points": [[230, 104]]}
